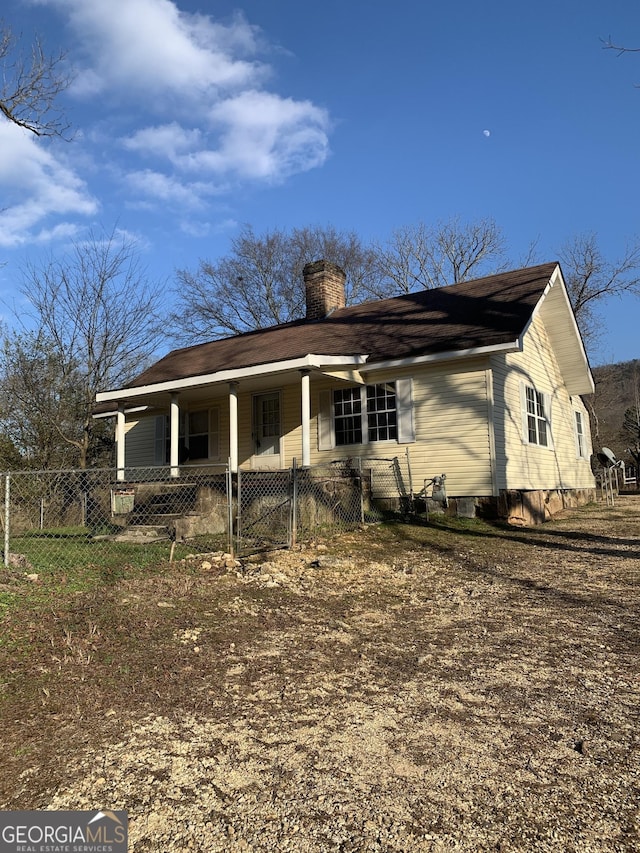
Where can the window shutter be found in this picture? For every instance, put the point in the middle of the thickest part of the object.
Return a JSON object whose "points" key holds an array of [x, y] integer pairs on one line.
{"points": [[404, 401], [586, 432], [326, 434], [523, 412]]}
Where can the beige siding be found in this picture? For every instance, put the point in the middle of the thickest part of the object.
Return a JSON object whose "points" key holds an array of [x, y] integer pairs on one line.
{"points": [[140, 438], [527, 466], [467, 418], [291, 402], [451, 416]]}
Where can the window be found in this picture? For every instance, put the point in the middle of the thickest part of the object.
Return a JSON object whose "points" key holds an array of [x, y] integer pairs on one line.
{"points": [[198, 437], [197, 441], [371, 408], [381, 412], [367, 413], [347, 408], [536, 416], [581, 444]]}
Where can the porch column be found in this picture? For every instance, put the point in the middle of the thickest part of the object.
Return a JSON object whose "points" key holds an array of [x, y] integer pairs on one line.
{"points": [[120, 421], [306, 419], [233, 426], [174, 421]]}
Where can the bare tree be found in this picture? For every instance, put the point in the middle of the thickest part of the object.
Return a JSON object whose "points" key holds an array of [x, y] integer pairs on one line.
{"points": [[591, 278], [39, 411], [91, 323], [609, 44], [259, 283], [30, 86], [420, 257]]}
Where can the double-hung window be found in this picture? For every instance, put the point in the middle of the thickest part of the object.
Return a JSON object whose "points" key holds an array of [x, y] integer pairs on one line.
{"points": [[347, 414], [536, 416], [382, 412], [365, 414], [581, 441]]}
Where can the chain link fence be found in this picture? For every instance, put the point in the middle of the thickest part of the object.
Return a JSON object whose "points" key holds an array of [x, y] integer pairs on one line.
{"points": [[58, 519]]}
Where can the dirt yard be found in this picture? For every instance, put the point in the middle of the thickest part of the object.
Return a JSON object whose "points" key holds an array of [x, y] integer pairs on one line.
{"points": [[457, 686]]}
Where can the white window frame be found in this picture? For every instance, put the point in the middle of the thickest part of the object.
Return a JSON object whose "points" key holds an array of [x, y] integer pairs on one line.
{"points": [[405, 429], [536, 410], [359, 399], [582, 451]]}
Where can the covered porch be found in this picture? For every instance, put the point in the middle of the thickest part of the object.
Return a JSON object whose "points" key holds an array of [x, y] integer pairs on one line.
{"points": [[253, 437]]}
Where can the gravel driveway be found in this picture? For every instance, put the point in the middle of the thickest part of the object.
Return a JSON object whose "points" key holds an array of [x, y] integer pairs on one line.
{"points": [[403, 688]]}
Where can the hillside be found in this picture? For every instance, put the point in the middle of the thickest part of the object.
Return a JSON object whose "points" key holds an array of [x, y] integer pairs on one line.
{"points": [[617, 386]]}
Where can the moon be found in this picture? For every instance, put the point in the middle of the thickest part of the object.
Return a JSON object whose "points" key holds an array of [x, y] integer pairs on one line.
{"points": [[487, 132]]}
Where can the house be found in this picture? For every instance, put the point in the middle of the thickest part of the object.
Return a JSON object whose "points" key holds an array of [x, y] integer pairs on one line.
{"points": [[480, 380]]}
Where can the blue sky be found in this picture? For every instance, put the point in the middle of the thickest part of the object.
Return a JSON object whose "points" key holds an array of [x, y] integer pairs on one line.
{"points": [[194, 118]]}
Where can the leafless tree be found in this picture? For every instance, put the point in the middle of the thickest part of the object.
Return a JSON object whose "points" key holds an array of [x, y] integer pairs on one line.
{"points": [[30, 85], [259, 283], [91, 322], [608, 44], [420, 257], [591, 278]]}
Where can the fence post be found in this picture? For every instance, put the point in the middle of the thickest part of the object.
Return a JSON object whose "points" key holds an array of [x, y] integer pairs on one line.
{"points": [[293, 515], [238, 478], [230, 510], [7, 498], [361, 491]]}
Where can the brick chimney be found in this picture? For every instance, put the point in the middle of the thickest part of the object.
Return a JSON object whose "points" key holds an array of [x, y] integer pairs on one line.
{"points": [[324, 287]]}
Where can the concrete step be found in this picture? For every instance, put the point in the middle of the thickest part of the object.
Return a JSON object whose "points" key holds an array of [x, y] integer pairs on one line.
{"points": [[143, 533]]}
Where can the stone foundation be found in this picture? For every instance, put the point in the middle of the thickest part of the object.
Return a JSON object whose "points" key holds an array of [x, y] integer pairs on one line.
{"points": [[521, 507]]}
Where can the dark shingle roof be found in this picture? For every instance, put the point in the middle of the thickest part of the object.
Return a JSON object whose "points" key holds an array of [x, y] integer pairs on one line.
{"points": [[484, 312]]}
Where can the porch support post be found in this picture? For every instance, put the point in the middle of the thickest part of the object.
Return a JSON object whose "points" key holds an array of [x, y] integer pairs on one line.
{"points": [[120, 421], [306, 419], [233, 426], [174, 421]]}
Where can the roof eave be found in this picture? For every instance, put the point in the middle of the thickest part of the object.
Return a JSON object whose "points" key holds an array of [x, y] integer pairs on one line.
{"points": [[447, 355], [235, 375], [572, 360]]}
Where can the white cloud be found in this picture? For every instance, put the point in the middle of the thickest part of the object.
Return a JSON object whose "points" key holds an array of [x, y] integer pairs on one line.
{"points": [[266, 136], [250, 134], [184, 117], [161, 187], [258, 136], [170, 141], [153, 47], [36, 186]]}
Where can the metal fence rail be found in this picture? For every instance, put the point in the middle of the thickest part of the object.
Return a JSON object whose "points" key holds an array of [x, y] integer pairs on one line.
{"points": [[54, 519]]}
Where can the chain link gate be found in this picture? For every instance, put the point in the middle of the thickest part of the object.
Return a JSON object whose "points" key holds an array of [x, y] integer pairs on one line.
{"points": [[264, 514]]}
